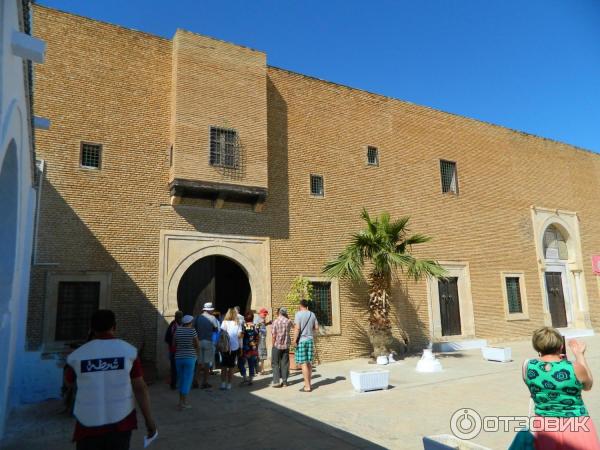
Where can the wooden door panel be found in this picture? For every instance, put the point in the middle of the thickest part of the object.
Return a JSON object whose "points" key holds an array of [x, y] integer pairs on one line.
{"points": [[556, 299], [449, 307]]}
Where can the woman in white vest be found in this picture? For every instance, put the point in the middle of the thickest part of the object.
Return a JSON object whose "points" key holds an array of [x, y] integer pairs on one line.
{"points": [[109, 379]]}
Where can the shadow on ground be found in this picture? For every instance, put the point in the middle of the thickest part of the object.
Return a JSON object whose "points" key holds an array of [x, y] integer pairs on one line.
{"points": [[236, 419]]}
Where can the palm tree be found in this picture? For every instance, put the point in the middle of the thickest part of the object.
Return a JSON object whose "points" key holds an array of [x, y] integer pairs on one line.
{"points": [[387, 247]]}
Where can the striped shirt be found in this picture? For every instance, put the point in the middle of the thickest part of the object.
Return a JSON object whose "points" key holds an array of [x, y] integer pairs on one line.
{"points": [[184, 342]]}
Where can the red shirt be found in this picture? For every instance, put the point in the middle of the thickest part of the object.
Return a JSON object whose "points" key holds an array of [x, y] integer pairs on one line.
{"points": [[127, 424]]}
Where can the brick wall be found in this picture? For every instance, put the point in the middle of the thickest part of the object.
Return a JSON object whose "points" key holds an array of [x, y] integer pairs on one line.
{"points": [[223, 85], [106, 84]]}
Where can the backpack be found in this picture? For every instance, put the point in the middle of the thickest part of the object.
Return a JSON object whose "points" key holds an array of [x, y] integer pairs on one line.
{"points": [[223, 344]]}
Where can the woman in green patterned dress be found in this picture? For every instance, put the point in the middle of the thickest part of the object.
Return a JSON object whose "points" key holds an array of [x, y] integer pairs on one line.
{"points": [[555, 384]]}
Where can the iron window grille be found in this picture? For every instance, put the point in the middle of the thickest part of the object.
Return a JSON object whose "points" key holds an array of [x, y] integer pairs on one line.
{"points": [[449, 177], [91, 155], [372, 156], [224, 148], [77, 301], [316, 186], [513, 294], [322, 302]]}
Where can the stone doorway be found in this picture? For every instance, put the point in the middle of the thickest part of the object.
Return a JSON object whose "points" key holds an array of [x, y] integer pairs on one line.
{"points": [[180, 250]]}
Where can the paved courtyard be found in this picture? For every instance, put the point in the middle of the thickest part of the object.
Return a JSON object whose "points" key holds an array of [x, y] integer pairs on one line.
{"points": [[331, 417]]}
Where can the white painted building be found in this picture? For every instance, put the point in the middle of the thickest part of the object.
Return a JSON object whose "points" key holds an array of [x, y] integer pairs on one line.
{"points": [[17, 190]]}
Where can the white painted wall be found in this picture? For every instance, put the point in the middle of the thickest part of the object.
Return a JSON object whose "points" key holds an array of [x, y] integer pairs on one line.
{"points": [[17, 204]]}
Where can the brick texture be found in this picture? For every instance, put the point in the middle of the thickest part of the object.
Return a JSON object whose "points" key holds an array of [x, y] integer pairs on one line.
{"points": [[136, 94]]}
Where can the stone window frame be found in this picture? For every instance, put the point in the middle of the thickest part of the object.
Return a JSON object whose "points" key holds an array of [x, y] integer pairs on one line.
{"points": [[100, 156], [375, 150], [336, 322], [53, 279], [524, 315], [310, 185], [445, 165]]}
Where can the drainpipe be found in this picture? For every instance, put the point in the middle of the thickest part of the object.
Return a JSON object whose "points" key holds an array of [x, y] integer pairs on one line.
{"points": [[40, 165]]}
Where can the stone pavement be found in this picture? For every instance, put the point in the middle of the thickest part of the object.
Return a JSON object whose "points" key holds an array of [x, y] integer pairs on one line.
{"points": [[331, 417]]}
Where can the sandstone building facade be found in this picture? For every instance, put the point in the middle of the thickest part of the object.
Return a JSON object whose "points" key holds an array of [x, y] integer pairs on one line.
{"points": [[188, 169]]}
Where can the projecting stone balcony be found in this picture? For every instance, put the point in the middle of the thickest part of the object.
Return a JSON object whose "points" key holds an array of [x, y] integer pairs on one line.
{"points": [[218, 193]]}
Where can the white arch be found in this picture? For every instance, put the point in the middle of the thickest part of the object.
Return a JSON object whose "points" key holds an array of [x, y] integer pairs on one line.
{"points": [[256, 288]]}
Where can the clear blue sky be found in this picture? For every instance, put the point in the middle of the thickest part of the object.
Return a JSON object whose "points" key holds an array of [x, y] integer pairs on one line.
{"points": [[530, 65]]}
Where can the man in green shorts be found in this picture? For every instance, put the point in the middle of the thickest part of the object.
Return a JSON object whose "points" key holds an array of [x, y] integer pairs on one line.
{"points": [[305, 326]]}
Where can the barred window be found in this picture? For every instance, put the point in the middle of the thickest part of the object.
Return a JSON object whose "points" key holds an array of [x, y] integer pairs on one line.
{"points": [[224, 148], [449, 177], [77, 301], [372, 156], [321, 304], [91, 155], [513, 294], [316, 186]]}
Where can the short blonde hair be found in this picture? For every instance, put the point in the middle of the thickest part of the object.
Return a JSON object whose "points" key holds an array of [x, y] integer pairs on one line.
{"points": [[547, 341]]}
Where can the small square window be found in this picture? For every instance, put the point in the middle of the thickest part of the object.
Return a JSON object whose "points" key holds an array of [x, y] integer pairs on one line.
{"points": [[91, 155], [372, 156], [224, 148], [449, 177], [316, 186], [321, 304], [513, 295]]}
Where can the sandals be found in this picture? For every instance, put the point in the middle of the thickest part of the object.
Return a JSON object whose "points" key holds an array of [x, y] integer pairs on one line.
{"points": [[304, 390]]}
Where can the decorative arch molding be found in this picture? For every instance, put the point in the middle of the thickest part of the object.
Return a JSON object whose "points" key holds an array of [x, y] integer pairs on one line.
{"points": [[248, 266], [576, 299], [180, 249]]}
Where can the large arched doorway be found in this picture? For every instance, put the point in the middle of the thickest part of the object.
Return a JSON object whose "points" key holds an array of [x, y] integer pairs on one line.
{"points": [[216, 279]]}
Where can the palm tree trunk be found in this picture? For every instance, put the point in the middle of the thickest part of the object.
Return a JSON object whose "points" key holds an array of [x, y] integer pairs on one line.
{"points": [[379, 310]]}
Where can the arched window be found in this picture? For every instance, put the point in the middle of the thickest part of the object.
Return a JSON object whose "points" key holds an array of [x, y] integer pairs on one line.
{"points": [[555, 244]]}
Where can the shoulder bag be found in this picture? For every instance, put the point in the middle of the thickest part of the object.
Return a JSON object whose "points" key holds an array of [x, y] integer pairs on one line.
{"points": [[302, 330]]}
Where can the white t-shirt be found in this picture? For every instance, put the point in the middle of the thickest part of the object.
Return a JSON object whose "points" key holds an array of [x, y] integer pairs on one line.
{"points": [[233, 329]]}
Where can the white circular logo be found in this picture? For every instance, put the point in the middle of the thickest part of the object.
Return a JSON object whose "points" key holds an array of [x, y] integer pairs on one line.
{"points": [[465, 423]]}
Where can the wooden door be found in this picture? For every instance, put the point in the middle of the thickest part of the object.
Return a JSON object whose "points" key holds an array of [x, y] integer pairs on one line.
{"points": [[197, 286], [449, 306], [556, 299]]}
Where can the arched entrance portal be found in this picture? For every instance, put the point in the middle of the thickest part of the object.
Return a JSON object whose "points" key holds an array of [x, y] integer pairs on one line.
{"points": [[215, 279], [561, 264]]}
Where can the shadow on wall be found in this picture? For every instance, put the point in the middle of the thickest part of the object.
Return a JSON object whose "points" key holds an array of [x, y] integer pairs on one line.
{"points": [[273, 221], [406, 314], [67, 245], [408, 330], [359, 325]]}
